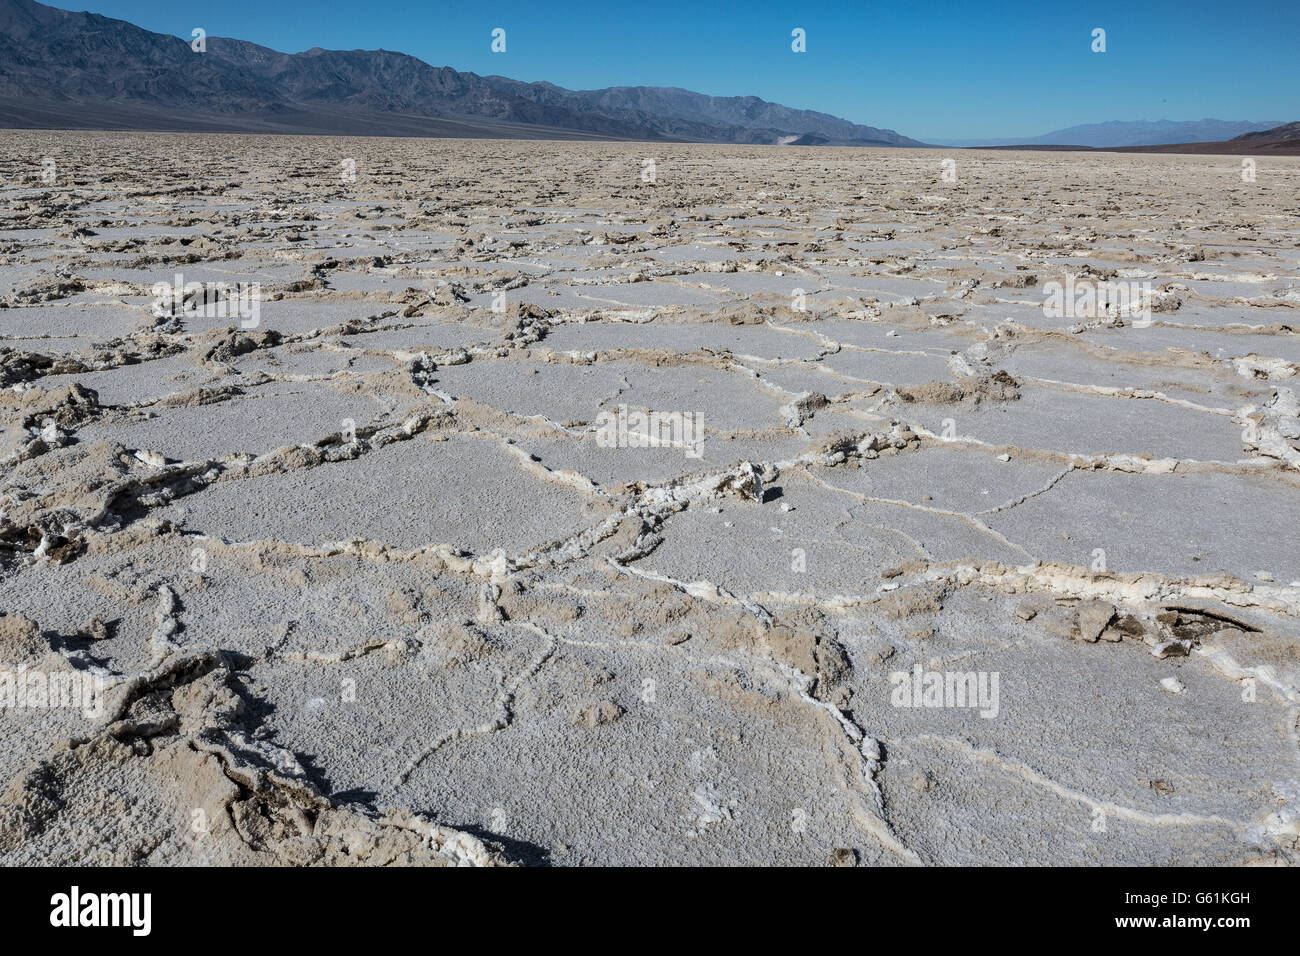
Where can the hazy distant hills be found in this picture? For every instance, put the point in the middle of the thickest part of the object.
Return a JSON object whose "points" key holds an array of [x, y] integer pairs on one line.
{"points": [[1287, 133], [60, 69], [1136, 133], [1281, 140]]}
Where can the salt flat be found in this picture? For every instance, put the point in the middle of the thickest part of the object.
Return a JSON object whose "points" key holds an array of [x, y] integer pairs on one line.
{"points": [[359, 579]]}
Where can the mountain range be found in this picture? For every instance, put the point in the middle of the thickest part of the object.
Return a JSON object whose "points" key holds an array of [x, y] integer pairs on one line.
{"points": [[1120, 133], [66, 70], [60, 69], [1281, 140]]}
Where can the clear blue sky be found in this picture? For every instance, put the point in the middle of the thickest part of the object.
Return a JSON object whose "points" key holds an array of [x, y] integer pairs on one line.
{"points": [[930, 70]]}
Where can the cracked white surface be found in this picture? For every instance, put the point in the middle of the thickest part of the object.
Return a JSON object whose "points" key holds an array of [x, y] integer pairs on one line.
{"points": [[366, 587]]}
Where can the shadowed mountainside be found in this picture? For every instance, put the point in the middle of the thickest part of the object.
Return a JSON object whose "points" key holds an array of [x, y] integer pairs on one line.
{"points": [[60, 69]]}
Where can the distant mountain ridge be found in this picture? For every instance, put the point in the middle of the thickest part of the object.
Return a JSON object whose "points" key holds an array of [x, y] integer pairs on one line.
{"points": [[1281, 140], [60, 69], [1288, 132], [1117, 133]]}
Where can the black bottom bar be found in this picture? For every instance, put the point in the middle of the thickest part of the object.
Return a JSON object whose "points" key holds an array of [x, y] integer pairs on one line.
{"points": [[338, 907]]}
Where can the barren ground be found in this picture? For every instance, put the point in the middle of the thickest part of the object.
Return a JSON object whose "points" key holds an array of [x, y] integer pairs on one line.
{"points": [[362, 585]]}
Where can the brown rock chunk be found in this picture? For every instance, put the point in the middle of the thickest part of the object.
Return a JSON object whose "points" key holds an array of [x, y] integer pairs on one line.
{"points": [[20, 640], [1093, 618], [1027, 610], [1125, 626]]}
